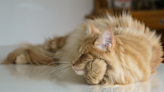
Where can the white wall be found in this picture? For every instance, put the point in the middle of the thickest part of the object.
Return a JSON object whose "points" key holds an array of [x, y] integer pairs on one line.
{"points": [[34, 20]]}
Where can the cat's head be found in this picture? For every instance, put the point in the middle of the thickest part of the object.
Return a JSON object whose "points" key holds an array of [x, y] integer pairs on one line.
{"points": [[95, 46]]}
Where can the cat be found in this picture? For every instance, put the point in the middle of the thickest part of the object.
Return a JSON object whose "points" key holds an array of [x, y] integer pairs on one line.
{"points": [[108, 51]]}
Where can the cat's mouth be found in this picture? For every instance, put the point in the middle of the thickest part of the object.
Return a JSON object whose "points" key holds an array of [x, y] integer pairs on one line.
{"points": [[80, 71]]}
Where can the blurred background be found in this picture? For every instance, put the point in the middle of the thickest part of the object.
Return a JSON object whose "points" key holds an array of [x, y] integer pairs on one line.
{"points": [[34, 20]]}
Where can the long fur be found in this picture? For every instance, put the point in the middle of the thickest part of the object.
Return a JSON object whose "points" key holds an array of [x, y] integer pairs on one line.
{"points": [[135, 53]]}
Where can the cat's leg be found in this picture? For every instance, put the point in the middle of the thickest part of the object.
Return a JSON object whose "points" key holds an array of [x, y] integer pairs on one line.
{"points": [[21, 59], [55, 43], [36, 54], [95, 71]]}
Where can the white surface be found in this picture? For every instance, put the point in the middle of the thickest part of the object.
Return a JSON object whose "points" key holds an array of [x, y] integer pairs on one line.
{"points": [[28, 78], [33, 20]]}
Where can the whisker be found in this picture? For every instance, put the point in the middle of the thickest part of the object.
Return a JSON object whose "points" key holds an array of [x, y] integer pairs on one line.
{"points": [[57, 69], [61, 75], [52, 68], [68, 71], [60, 71], [53, 57], [62, 62], [58, 62], [50, 73], [45, 66]]}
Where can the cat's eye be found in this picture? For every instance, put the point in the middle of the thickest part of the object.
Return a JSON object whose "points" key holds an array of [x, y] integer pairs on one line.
{"points": [[82, 55]]}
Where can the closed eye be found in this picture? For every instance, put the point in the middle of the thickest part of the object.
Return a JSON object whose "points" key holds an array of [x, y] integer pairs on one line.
{"points": [[82, 55]]}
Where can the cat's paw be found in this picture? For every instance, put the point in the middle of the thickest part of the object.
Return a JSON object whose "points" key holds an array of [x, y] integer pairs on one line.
{"points": [[95, 71], [55, 43], [21, 59]]}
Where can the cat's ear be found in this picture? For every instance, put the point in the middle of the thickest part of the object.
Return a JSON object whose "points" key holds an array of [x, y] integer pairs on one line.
{"points": [[105, 40], [92, 30]]}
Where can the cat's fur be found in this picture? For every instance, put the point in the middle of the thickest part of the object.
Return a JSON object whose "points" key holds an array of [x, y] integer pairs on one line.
{"points": [[113, 50]]}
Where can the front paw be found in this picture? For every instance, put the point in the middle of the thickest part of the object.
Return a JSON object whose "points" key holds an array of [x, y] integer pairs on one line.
{"points": [[95, 71]]}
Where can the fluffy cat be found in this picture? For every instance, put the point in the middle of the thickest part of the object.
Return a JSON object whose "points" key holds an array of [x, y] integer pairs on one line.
{"points": [[114, 50]]}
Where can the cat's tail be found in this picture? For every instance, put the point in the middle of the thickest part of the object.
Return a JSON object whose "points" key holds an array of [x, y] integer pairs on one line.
{"points": [[157, 49], [30, 54], [36, 54]]}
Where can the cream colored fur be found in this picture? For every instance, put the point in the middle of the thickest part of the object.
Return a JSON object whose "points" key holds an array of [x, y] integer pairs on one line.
{"points": [[130, 60], [122, 68]]}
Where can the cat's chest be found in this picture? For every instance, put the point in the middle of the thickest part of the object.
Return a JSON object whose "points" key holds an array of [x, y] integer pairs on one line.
{"points": [[73, 41]]}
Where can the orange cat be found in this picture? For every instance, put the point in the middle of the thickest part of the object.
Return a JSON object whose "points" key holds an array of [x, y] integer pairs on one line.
{"points": [[113, 50]]}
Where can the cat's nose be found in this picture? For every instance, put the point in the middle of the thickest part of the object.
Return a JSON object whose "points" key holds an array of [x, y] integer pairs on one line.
{"points": [[73, 64]]}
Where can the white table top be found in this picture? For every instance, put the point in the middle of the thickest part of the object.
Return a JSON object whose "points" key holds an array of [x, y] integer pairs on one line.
{"points": [[28, 78]]}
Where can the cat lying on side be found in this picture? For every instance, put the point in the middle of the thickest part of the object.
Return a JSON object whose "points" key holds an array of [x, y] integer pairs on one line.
{"points": [[114, 50]]}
